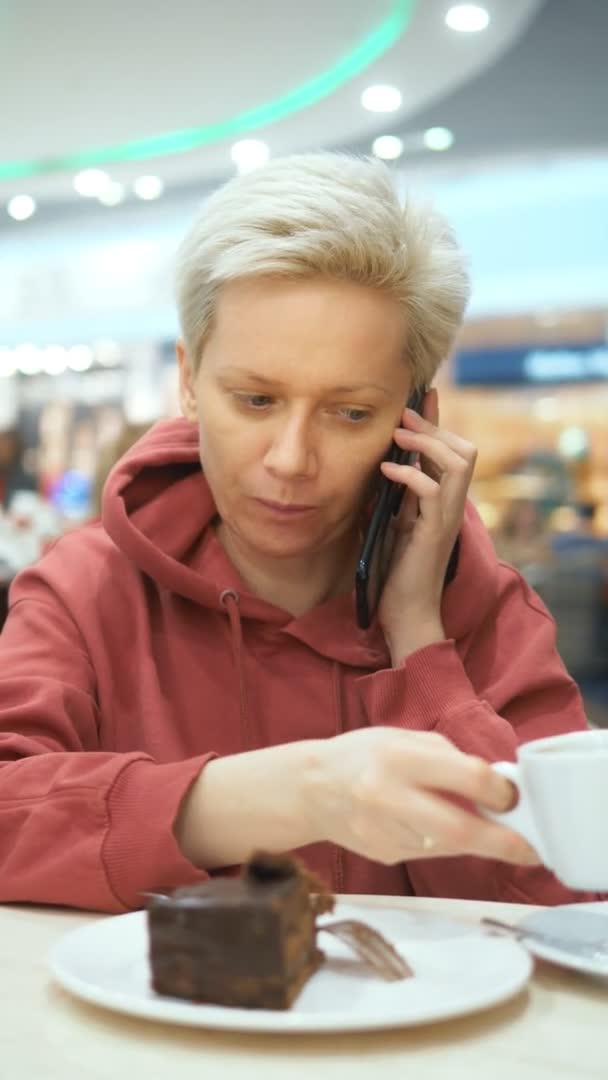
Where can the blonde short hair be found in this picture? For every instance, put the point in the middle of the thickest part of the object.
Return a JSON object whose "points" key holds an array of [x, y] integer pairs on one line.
{"points": [[331, 215]]}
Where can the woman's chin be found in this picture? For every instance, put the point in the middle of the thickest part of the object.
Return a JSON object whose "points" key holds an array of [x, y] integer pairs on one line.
{"points": [[288, 538], [283, 543], [282, 548]]}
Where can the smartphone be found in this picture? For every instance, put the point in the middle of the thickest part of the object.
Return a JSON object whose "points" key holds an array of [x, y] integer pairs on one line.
{"points": [[374, 560]]}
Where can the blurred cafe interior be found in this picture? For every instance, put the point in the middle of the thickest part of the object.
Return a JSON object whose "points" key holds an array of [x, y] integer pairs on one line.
{"points": [[110, 141]]}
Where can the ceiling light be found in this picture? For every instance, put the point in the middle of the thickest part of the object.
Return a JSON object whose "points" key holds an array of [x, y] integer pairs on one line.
{"points": [[438, 138], [388, 147], [54, 360], [107, 353], [113, 194], [28, 359], [8, 364], [249, 154], [573, 443], [80, 357], [21, 207], [91, 183], [381, 98], [467, 18], [148, 187]]}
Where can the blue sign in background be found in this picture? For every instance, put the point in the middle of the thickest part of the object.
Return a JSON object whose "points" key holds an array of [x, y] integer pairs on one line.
{"points": [[532, 364]]}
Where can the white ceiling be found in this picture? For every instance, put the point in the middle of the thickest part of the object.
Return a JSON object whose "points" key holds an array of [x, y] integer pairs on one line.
{"points": [[78, 76]]}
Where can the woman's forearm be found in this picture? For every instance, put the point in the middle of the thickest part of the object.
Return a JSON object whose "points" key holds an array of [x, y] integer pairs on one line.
{"points": [[245, 801]]}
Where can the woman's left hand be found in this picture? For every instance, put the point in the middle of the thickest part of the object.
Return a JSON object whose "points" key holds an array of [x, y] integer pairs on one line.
{"points": [[427, 528]]}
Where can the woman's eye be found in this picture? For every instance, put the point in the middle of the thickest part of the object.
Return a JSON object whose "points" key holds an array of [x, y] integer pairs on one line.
{"points": [[254, 401], [354, 416]]}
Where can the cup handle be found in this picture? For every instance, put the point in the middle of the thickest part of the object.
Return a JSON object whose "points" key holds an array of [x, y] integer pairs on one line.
{"points": [[520, 818]]}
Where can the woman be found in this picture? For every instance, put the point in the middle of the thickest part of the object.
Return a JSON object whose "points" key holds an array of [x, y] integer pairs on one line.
{"points": [[186, 681]]}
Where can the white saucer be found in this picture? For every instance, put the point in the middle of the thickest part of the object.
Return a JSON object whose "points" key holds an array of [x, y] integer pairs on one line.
{"points": [[458, 970], [565, 921]]}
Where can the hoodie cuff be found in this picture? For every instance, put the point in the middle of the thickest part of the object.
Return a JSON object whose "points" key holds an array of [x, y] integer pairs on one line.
{"points": [[426, 686], [140, 852]]}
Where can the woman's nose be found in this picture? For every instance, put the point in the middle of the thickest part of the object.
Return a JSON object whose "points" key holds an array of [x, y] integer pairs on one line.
{"points": [[291, 453]]}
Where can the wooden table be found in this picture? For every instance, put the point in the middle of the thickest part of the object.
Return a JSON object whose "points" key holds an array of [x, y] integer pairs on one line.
{"points": [[557, 1028]]}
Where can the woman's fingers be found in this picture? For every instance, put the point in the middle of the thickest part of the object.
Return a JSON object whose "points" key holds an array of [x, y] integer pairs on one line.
{"points": [[433, 449], [454, 831], [437, 457], [412, 421], [413, 478], [450, 470], [393, 795], [439, 765], [424, 489]]}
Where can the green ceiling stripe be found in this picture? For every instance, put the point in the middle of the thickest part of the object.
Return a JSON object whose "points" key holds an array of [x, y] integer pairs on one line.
{"points": [[369, 49]]}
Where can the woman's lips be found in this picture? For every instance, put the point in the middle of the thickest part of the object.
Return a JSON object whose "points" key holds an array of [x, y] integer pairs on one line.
{"points": [[286, 509]]}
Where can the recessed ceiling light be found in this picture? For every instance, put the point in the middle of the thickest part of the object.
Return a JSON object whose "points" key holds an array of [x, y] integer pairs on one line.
{"points": [[28, 359], [438, 138], [21, 207], [54, 360], [91, 183], [148, 187], [573, 443], [249, 154], [388, 147], [107, 352], [381, 98], [467, 18], [113, 194], [80, 357]]}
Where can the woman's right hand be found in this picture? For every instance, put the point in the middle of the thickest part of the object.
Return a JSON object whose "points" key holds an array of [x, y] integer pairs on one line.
{"points": [[381, 792]]}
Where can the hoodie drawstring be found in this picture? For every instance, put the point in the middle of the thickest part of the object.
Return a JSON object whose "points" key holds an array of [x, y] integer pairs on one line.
{"points": [[230, 600]]}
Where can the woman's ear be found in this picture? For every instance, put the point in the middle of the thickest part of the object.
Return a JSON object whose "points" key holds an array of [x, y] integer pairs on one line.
{"points": [[187, 396]]}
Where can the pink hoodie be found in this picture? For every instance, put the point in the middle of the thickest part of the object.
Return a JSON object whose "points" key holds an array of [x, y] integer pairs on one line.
{"points": [[133, 653]]}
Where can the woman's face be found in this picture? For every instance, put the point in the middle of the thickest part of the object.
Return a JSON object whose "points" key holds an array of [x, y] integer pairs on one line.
{"points": [[298, 390]]}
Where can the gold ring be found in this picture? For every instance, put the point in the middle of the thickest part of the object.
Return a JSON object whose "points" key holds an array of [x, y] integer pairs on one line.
{"points": [[428, 843]]}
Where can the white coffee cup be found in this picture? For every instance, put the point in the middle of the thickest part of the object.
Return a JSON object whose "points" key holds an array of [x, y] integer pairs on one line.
{"points": [[562, 809]]}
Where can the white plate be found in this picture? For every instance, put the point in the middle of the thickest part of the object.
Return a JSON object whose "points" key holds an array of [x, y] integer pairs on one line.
{"points": [[458, 970], [555, 921]]}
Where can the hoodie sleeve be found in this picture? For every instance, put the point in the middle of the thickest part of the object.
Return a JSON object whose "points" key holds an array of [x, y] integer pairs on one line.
{"points": [[78, 826], [505, 685]]}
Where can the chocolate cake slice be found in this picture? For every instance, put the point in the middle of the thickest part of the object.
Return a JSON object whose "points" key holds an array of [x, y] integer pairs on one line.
{"points": [[249, 942]]}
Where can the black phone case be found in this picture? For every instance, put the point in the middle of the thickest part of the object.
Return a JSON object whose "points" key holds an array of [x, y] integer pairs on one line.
{"points": [[390, 496]]}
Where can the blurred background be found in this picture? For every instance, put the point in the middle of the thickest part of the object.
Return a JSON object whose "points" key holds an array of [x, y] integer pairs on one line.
{"points": [[118, 119]]}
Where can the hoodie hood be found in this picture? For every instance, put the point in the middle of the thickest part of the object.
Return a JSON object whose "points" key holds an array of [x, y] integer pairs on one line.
{"points": [[158, 509]]}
